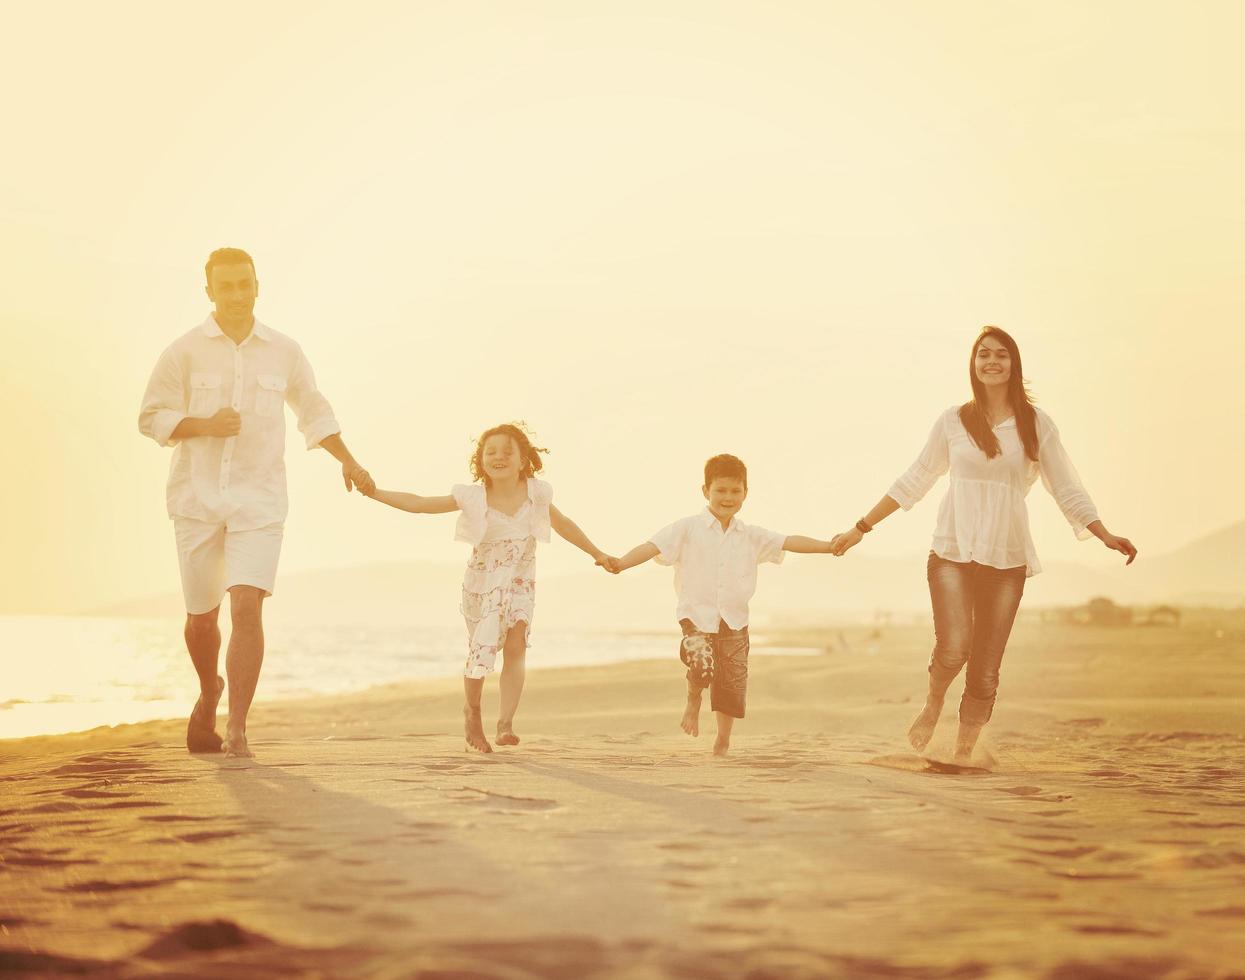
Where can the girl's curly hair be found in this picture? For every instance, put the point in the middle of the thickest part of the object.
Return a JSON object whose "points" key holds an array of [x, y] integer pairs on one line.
{"points": [[532, 463]]}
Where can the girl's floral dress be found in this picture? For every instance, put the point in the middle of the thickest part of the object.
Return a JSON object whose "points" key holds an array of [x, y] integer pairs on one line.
{"points": [[499, 586]]}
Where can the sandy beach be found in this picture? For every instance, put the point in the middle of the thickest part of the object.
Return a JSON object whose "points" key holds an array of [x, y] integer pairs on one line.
{"points": [[1108, 839]]}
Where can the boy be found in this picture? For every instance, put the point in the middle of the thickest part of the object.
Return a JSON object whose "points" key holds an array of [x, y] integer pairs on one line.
{"points": [[715, 557]]}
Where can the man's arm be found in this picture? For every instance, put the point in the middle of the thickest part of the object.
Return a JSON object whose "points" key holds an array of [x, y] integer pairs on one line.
{"points": [[222, 425], [319, 427], [801, 545], [353, 474], [164, 401]]}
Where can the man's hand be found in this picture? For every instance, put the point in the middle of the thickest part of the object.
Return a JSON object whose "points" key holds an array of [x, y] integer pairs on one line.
{"points": [[223, 424], [356, 477]]}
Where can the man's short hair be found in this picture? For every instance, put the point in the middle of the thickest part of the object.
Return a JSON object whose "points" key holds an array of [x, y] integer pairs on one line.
{"points": [[728, 466], [227, 256]]}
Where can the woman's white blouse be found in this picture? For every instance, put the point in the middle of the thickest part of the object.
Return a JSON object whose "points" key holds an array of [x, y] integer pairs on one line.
{"points": [[983, 517], [474, 524]]}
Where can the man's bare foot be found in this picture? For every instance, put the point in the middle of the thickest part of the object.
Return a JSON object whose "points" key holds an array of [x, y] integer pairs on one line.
{"points": [[236, 747], [965, 742], [922, 730], [506, 735], [474, 728], [691, 715], [201, 728], [721, 746]]}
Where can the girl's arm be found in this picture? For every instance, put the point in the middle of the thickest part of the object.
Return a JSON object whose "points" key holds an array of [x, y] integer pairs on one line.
{"points": [[413, 503], [799, 544], [637, 556], [569, 530], [840, 544]]}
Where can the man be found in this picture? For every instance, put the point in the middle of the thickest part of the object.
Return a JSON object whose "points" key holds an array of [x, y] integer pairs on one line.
{"points": [[217, 395]]}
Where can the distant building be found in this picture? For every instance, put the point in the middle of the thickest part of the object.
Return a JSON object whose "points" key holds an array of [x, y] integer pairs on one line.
{"points": [[1163, 616], [1103, 612]]}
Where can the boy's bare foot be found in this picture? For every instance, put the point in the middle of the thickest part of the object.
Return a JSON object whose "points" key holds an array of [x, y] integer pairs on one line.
{"points": [[965, 742], [201, 728], [721, 746], [691, 715], [474, 728], [236, 747], [506, 735], [922, 730]]}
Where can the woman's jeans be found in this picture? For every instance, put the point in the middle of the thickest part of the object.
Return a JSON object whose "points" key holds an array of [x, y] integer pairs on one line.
{"points": [[974, 608]]}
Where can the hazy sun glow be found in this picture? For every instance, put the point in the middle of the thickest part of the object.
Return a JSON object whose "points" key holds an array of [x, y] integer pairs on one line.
{"points": [[655, 232]]}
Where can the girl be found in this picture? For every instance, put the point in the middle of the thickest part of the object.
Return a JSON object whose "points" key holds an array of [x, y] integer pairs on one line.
{"points": [[995, 446], [503, 514]]}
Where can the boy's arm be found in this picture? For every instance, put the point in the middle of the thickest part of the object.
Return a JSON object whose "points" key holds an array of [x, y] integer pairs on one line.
{"points": [[637, 556], [569, 531], [413, 503], [799, 544]]}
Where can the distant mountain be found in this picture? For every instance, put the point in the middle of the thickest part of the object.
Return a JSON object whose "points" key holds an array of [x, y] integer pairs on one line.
{"points": [[1208, 571]]}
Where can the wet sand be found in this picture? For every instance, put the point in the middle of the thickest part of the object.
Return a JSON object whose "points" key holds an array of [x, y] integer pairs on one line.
{"points": [[1108, 839]]}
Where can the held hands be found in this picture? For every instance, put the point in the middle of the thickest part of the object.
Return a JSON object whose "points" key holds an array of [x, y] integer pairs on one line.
{"points": [[357, 478], [840, 544], [609, 563], [224, 424]]}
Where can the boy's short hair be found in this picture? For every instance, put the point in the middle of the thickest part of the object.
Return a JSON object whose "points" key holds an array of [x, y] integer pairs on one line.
{"points": [[728, 466]]}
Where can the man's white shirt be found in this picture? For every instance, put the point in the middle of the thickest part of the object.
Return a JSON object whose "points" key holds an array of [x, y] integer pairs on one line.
{"points": [[715, 569], [238, 481]]}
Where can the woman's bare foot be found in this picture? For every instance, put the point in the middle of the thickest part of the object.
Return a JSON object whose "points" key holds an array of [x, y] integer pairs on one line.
{"points": [[506, 735], [965, 742], [922, 729], [691, 715], [721, 746], [474, 728]]}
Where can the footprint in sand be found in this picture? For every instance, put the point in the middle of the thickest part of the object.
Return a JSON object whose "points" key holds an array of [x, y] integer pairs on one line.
{"points": [[504, 802], [1225, 912], [203, 836], [917, 763], [136, 884]]}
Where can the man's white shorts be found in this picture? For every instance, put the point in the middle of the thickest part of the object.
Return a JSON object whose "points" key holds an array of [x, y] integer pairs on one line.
{"points": [[213, 560]]}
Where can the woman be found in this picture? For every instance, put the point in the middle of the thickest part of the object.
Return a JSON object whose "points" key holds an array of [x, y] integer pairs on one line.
{"points": [[995, 446]]}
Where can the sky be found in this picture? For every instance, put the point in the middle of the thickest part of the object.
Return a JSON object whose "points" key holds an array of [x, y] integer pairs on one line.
{"points": [[654, 231]]}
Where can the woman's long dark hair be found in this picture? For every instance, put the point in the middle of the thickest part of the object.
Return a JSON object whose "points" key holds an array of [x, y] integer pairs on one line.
{"points": [[973, 414]]}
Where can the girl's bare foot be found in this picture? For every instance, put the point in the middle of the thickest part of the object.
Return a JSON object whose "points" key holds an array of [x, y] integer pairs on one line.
{"points": [[965, 742], [922, 729], [691, 715], [506, 735], [474, 728], [721, 746]]}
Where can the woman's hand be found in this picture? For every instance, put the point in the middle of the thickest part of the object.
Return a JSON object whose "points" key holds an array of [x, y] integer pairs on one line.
{"points": [[840, 544], [1122, 545]]}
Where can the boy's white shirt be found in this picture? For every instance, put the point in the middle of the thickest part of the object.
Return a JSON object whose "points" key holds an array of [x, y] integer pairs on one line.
{"points": [[715, 570]]}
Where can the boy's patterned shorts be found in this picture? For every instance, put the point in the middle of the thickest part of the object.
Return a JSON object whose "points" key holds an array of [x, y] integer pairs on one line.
{"points": [[718, 661]]}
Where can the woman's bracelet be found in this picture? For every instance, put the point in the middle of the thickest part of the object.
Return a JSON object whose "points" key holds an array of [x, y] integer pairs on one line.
{"points": [[863, 526]]}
